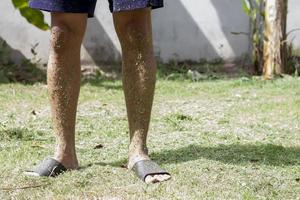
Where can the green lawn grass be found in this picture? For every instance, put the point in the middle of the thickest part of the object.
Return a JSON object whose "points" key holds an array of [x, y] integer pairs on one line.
{"points": [[233, 138]]}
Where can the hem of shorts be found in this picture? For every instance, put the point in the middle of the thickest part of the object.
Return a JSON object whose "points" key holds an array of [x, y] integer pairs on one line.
{"points": [[152, 6], [42, 7]]}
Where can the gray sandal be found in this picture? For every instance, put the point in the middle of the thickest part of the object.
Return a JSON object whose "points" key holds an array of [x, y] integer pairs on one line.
{"points": [[145, 168], [49, 167]]}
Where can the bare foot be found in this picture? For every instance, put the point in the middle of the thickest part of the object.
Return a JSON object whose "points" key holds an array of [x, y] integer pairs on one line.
{"points": [[157, 178], [69, 163], [149, 179], [67, 158]]}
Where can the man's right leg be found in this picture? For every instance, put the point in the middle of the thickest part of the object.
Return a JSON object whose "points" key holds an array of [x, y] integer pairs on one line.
{"points": [[67, 31], [63, 77]]}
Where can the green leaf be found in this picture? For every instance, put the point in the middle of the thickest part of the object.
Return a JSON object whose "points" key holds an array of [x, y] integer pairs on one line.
{"points": [[246, 7], [33, 16], [20, 3]]}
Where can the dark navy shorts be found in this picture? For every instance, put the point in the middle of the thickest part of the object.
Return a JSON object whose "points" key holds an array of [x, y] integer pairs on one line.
{"points": [[88, 6]]}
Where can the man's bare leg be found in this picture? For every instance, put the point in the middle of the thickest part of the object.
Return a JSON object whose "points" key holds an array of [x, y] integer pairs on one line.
{"points": [[67, 31], [134, 30]]}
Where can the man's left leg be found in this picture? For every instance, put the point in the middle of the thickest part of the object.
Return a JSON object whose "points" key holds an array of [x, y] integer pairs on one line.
{"points": [[134, 30]]}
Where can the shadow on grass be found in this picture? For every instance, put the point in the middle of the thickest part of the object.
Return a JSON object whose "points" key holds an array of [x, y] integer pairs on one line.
{"points": [[21, 134], [236, 154]]}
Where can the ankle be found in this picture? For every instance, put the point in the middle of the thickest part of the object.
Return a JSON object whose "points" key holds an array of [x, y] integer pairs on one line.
{"points": [[67, 160], [66, 156], [67, 149], [137, 154], [136, 150]]}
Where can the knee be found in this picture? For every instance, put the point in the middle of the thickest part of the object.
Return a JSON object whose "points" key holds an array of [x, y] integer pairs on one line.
{"points": [[60, 36], [134, 33]]}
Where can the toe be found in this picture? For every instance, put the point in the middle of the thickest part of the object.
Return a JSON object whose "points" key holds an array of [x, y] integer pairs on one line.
{"points": [[163, 177], [149, 179], [167, 177], [157, 178]]}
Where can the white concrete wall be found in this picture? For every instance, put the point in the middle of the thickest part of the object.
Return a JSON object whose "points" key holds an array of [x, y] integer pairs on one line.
{"points": [[183, 30], [19, 34], [195, 29], [294, 22]]}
